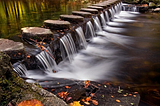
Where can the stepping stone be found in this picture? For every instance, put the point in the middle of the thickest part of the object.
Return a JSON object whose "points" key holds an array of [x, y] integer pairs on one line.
{"points": [[72, 18], [100, 5], [93, 11], [96, 7], [57, 24], [83, 14], [14, 49], [37, 33]]}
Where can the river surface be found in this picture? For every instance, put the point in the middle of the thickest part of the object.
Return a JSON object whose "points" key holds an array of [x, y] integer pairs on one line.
{"points": [[127, 53]]}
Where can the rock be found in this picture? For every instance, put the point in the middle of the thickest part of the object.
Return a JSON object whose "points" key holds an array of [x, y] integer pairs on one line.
{"points": [[37, 33], [72, 18], [14, 49], [83, 14], [100, 5], [96, 7], [57, 24], [15, 90], [152, 5], [156, 10], [93, 11]]}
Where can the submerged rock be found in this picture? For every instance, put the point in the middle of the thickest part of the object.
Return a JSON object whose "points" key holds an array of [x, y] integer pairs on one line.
{"points": [[15, 90]]}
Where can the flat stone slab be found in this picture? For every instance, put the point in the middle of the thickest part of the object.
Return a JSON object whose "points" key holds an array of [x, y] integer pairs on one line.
{"points": [[36, 33], [100, 5], [93, 11], [14, 49], [83, 14], [96, 7], [57, 24], [72, 18]]}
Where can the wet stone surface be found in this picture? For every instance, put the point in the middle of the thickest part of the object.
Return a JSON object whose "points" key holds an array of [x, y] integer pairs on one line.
{"points": [[83, 14], [72, 18], [96, 7], [56, 24], [14, 49], [93, 11], [36, 33]]}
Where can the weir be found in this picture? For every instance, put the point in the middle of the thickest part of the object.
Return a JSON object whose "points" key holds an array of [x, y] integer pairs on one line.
{"points": [[96, 33]]}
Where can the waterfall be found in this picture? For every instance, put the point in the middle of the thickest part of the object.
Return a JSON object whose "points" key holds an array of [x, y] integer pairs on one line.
{"points": [[103, 21], [82, 37], [97, 24], [89, 30], [21, 70], [47, 61], [69, 46], [107, 16]]}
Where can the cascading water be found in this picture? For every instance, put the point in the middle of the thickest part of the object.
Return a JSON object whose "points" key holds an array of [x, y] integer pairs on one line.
{"points": [[69, 46], [89, 30], [21, 70], [48, 63], [103, 57], [82, 39]]}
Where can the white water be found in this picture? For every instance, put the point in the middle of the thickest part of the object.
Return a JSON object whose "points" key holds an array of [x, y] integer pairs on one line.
{"points": [[99, 59]]}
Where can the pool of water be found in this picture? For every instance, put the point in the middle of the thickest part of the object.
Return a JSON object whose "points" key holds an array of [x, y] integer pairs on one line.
{"points": [[16, 14]]}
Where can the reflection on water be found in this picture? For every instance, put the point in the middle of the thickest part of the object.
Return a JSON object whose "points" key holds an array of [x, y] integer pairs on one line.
{"points": [[15, 14]]}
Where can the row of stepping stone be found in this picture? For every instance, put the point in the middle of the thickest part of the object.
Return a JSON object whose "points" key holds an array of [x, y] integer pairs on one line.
{"points": [[16, 49]]}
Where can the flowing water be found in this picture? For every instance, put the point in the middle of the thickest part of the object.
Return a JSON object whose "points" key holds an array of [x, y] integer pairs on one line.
{"points": [[124, 48]]}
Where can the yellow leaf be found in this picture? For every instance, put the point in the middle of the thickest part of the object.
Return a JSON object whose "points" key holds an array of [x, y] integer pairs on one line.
{"points": [[75, 103]]}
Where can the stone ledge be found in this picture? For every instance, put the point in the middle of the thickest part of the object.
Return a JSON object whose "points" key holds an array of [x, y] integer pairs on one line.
{"points": [[93, 11], [83, 14], [14, 49], [72, 18], [36, 33], [56, 24]]}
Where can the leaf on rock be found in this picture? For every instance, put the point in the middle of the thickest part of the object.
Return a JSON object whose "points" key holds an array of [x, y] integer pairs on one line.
{"points": [[32, 102], [95, 102], [75, 103]]}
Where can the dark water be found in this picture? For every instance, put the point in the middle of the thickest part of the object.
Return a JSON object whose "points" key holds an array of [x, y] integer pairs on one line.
{"points": [[15, 14]]}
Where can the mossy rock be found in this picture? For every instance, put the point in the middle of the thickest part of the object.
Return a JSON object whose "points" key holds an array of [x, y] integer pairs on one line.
{"points": [[14, 89]]}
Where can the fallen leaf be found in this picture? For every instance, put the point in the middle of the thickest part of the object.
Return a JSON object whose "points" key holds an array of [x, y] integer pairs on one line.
{"points": [[88, 99], [95, 102], [87, 83], [67, 87], [92, 94], [75, 103], [87, 103], [118, 101], [32, 102], [52, 90], [69, 98], [63, 94], [83, 100]]}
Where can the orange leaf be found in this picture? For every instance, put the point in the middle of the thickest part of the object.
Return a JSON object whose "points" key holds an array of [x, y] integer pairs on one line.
{"points": [[95, 102], [63, 94], [83, 100], [92, 94], [118, 101], [88, 99], [32, 102], [87, 83], [52, 90], [67, 87]]}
